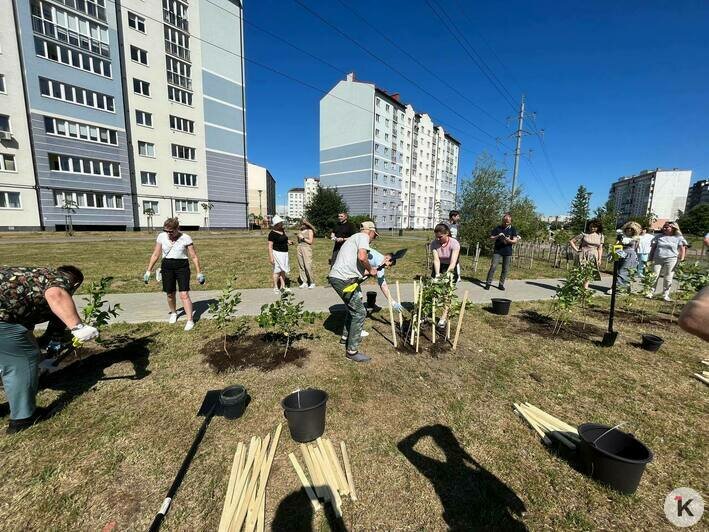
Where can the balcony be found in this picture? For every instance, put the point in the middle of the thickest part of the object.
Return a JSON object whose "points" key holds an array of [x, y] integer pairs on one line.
{"points": [[175, 20], [180, 81], [70, 37], [177, 51]]}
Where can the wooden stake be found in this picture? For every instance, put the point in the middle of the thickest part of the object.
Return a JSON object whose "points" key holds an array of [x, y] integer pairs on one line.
{"points": [[322, 481], [348, 470], [550, 430], [305, 482], [344, 487], [325, 452], [232, 484], [460, 320], [416, 293], [242, 480], [418, 319], [239, 516], [266, 468], [703, 379], [556, 421], [433, 321], [314, 477], [533, 424], [393, 325], [448, 329], [260, 524], [401, 314], [331, 483]]}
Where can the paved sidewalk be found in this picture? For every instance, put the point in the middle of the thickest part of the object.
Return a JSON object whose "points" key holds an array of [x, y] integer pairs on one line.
{"points": [[138, 308]]}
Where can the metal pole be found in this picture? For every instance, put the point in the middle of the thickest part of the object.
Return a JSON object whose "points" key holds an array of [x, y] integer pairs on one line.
{"points": [[260, 209], [518, 150]]}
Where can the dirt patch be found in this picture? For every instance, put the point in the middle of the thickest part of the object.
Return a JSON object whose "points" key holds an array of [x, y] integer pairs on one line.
{"points": [[252, 351], [542, 325], [426, 346]]}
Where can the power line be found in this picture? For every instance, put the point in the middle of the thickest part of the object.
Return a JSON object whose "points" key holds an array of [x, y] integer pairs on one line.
{"points": [[544, 186], [506, 97], [394, 69], [419, 63]]}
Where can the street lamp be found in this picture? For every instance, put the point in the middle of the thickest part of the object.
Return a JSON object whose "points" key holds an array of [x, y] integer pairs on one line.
{"points": [[260, 209]]}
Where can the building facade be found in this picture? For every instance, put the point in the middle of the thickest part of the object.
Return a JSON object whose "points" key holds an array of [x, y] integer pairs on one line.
{"points": [[660, 192], [310, 188], [262, 192], [385, 159], [130, 117], [697, 194], [296, 203]]}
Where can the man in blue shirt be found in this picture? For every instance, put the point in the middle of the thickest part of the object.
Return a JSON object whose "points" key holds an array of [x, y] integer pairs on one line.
{"points": [[505, 236]]}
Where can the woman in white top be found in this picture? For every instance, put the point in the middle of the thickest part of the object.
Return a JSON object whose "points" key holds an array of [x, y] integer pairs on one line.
{"points": [[174, 247], [668, 248]]}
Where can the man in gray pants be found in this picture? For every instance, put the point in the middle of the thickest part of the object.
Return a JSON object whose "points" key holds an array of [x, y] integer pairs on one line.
{"points": [[505, 236], [350, 264]]}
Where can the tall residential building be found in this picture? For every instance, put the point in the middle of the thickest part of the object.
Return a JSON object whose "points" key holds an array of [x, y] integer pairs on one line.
{"points": [[129, 113], [262, 192], [310, 188], [296, 208], [660, 192], [385, 159], [698, 193]]}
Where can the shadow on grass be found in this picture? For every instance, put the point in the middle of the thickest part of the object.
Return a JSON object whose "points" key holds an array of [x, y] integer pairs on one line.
{"points": [[472, 497], [295, 514], [81, 376], [200, 307]]}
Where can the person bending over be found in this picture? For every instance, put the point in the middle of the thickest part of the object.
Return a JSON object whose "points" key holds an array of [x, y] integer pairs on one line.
{"points": [[380, 262], [29, 296]]}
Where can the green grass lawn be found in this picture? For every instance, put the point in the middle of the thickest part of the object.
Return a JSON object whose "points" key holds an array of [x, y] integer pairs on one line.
{"points": [[222, 256], [108, 456]]}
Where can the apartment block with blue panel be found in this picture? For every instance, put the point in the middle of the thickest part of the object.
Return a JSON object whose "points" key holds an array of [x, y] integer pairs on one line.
{"points": [[73, 77], [224, 111]]}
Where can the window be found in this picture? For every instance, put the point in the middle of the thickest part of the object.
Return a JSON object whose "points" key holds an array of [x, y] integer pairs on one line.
{"points": [[77, 95], [183, 152], [10, 200], [185, 206], [5, 123], [89, 200], [181, 124], [78, 130], [151, 206], [143, 118], [138, 55], [149, 179], [65, 26], [83, 165], [146, 149], [177, 43], [136, 22], [141, 87], [2, 83], [73, 58], [93, 8], [179, 96], [175, 13], [7, 162], [184, 180], [376, 132], [178, 72]]}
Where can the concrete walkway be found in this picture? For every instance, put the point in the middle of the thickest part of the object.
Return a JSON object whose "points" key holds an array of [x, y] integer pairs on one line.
{"points": [[138, 308]]}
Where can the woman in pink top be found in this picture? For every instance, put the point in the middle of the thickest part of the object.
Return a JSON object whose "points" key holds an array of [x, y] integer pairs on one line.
{"points": [[445, 251]]}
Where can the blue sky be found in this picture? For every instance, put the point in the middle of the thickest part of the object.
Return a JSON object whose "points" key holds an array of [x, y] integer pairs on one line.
{"points": [[617, 86]]}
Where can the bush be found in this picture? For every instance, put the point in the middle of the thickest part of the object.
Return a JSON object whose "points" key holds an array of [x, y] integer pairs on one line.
{"points": [[696, 221], [571, 293], [284, 317], [94, 312], [223, 310]]}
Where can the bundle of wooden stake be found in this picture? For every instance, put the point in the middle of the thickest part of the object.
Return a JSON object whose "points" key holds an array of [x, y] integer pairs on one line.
{"points": [[547, 426], [327, 479], [704, 375], [245, 502]]}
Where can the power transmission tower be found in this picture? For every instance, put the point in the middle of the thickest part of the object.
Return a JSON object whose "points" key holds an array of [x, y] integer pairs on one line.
{"points": [[518, 149]]}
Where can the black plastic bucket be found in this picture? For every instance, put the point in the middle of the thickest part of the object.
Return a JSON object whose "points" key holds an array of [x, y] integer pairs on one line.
{"points": [[613, 457], [501, 306], [305, 412], [371, 299], [232, 401], [651, 342]]}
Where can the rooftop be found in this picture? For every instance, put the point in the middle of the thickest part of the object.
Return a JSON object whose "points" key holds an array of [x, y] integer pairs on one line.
{"points": [[297, 190]]}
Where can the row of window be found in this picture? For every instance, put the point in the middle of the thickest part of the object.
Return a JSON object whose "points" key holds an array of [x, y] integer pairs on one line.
{"points": [[93, 8], [67, 27], [178, 72], [78, 95], [88, 200], [177, 43], [181, 124], [74, 58], [178, 95], [173, 93], [83, 165], [77, 130], [147, 149], [7, 163], [150, 179]]}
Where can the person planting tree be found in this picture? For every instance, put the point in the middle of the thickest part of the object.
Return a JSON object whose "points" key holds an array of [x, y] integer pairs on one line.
{"points": [[29, 296], [352, 260], [174, 247], [380, 262]]}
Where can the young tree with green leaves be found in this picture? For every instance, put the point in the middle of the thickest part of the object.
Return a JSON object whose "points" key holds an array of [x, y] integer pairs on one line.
{"points": [[696, 221], [608, 216], [580, 210], [222, 311], [323, 209], [526, 219], [284, 317]]}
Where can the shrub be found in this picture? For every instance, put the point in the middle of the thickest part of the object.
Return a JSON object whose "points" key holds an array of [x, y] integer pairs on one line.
{"points": [[97, 312], [284, 317], [571, 293], [223, 310]]}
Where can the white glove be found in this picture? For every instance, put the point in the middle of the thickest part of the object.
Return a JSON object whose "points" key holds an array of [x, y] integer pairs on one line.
{"points": [[396, 306], [84, 333], [201, 278], [146, 277], [158, 275]]}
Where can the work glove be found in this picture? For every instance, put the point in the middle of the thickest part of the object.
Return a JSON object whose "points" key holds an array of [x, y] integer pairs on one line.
{"points": [[396, 306], [84, 333], [146, 277], [201, 278]]}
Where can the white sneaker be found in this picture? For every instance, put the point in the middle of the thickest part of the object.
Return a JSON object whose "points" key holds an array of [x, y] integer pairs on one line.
{"points": [[666, 297], [649, 295], [304, 285], [276, 291], [311, 285], [364, 334], [189, 325], [173, 318]]}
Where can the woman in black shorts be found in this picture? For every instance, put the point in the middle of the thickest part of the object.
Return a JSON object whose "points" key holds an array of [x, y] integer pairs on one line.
{"points": [[175, 247]]}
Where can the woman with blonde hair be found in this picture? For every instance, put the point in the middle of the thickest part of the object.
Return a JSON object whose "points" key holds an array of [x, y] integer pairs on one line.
{"points": [[306, 237], [589, 246], [668, 248], [175, 247]]}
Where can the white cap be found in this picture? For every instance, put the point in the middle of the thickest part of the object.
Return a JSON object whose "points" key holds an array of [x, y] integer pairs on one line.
{"points": [[276, 220]]}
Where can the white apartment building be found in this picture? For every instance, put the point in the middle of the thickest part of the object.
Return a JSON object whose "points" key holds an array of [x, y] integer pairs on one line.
{"points": [[18, 194], [386, 160], [262, 192], [310, 188], [296, 205], [660, 192]]}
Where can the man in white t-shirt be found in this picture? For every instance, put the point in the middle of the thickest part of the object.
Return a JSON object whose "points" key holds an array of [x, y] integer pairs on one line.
{"points": [[643, 249], [350, 264]]}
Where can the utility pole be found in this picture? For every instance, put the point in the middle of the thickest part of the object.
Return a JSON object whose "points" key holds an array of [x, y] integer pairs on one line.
{"points": [[518, 149], [260, 209]]}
